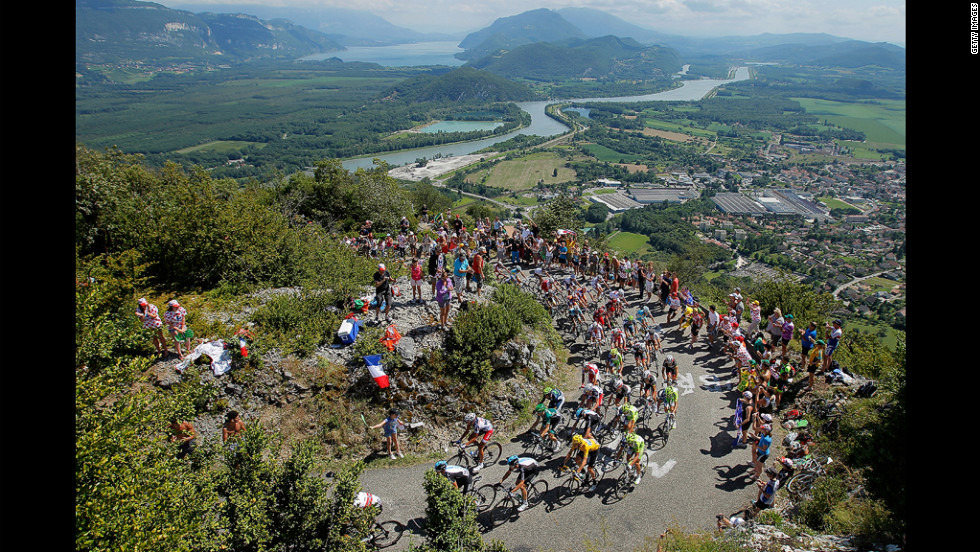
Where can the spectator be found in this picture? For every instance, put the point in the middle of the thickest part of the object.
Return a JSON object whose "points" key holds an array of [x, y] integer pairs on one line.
{"points": [[767, 495], [760, 452], [808, 337], [789, 328], [444, 296], [775, 327], [176, 318], [150, 317], [477, 274], [415, 273], [233, 427], [391, 426], [184, 435], [382, 293], [833, 340], [461, 267], [433, 267], [814, 362], [755, 316]]}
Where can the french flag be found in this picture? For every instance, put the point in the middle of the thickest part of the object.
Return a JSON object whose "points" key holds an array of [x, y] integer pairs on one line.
{"points": [[377, 371]]}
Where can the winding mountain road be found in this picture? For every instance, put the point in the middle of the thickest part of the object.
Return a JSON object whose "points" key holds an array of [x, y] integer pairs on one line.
{"points": [[694, 476]]}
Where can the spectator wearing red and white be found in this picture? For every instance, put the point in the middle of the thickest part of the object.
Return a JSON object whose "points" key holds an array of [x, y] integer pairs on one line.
{"points": [[176, 318], [149, 315]]}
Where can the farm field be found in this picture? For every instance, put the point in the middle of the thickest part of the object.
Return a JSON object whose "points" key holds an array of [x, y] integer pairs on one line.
{"points": [[524, 174], [628, 243], [883, 122]]}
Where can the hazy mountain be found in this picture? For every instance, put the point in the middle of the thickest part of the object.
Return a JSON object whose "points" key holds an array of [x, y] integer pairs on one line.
{"points": [[851, 53], [603, 57], [506, 33], [118, 31], [348, 27], [596, 23]]}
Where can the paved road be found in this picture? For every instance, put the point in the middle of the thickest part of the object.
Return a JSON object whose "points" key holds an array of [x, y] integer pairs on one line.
{"points": [[693, 477]]}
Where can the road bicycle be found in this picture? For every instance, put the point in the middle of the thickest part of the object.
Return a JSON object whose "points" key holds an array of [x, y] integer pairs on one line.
{"points": [[668, 424], [627, 479], [385, 533], [647, 408], [800, 483], [483, 497], [512, 499], [468, 458], [575, 484], [543, 447]]}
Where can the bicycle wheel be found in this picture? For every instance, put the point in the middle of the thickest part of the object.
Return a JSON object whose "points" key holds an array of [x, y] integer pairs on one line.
{"points": [[800, 483], [623, 484], [484, 497], [536, 492], [503, 510], [462, 458], [568, 490], [387, 533], [491, 453]]}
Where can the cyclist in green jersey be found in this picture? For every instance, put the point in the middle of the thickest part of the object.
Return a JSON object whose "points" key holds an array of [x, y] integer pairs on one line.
{"points": [[635, 445], [667, 399]]}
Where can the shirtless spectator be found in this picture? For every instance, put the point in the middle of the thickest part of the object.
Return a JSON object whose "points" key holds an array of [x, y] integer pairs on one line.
{"points": [[232, 428]]}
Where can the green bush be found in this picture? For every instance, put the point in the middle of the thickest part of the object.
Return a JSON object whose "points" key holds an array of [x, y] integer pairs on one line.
{"points": [[475, 334], [826, 494], [297, 323]]}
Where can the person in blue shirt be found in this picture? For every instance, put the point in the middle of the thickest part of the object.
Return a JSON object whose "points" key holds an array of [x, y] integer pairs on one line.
{"points": [[760, 452], [461, 266], [807, 340]]}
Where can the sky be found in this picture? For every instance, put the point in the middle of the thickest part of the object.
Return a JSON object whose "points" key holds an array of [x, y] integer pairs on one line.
{"points": [[869, 20]]}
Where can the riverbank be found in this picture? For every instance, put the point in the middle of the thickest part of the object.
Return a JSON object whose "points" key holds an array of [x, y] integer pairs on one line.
{"points": [[436, 167]]}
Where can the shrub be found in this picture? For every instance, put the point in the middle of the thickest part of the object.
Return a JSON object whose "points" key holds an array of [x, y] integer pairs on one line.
{"points": [[298, 323], [474, 336]]}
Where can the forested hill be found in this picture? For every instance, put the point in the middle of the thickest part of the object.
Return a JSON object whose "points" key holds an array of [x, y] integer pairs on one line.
{"points": [[461, 85], [116, 31], [603, 57]]}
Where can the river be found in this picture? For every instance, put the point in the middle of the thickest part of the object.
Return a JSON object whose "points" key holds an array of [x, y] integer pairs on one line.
{"points": [[542, 124]]}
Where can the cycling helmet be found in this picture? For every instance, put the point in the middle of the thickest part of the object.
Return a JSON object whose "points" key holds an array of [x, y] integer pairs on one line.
{"points": [[633, 438], [469, 417], [578, 439], [670, 360], [539, 408], [547, 390], [786, 462], [441, 465], [618, 384], [512, 460], [578, 413]]}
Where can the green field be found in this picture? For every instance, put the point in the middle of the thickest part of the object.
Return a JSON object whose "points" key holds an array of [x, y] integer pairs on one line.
{"points": [[882, 121], [524, 173], [607, 155], [221, 146], [627, 243], [833, 203]]}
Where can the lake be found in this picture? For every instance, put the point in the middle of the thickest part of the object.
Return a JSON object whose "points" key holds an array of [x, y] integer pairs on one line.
{"points": [[542, 124], [400, 55]]}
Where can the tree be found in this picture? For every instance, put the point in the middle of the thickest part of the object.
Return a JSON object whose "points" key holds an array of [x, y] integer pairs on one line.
{"points": [[450, 519], [597, 212]]}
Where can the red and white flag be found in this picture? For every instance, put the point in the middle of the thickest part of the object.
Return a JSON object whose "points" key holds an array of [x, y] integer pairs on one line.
{"points": [[377, 370]]}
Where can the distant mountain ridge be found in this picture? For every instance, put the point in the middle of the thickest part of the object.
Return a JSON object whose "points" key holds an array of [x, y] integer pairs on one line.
{"points": [[506, 33], [603, 57], [116, 31]]}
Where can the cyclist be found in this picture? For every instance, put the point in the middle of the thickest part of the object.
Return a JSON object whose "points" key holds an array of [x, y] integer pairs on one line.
{"points": [[460, 477], [622, 391], [670, 370], [644, 316], [551, 418], [648, 385], [628, 415], [591, 396], [590, 371], [591, 418], [667, 402], [581, 447], [618, 338], [595, 334], [526, 469], [599, 316], [630, 326], [554, 396], [615, 362], [639, 349], [652, 338], [480, 430], [635, 446]]}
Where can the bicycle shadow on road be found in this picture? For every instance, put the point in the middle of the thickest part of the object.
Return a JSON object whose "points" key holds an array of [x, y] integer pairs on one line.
{"points": [[733, 478]]}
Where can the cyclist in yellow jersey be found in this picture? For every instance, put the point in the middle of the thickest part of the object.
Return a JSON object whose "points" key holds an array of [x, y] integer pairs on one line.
{"points": [[581, 447]]}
